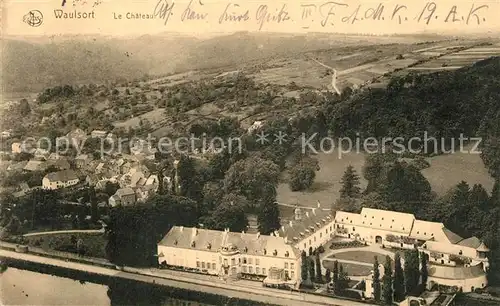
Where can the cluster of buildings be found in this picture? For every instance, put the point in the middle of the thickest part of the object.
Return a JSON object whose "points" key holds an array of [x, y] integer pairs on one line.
{"points": [[276, 259], [136, 182]]}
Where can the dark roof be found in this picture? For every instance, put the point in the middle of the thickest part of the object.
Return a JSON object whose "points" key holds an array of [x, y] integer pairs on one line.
{"points": [[305, 227], [63, 176], [472, 242], [454, 238]]}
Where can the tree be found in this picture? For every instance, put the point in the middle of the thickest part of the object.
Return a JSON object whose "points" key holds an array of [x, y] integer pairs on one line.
{"points": [[268, 216], [254, 178], [387, 292], [318, 268], [328, 276], [301, 177], [189, 179], [111, 188], [230, 213], [411, 270], [304, 268], [399, 287], [376, 280], [343, 281], [350, 184], [335, 278], [424, 273], [312, 276], [24, 107], [94, 213]]}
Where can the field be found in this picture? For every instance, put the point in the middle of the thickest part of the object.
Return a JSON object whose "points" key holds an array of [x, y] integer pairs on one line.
{"points": [[360, 256], [351, 269], [448, 170], [327, 183]]}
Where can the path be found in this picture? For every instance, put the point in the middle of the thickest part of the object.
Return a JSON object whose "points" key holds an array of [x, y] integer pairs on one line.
{"points": [[99, 231], [164, 277]]}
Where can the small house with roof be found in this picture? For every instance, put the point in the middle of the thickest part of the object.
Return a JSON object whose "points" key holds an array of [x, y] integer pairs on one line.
{"points": [[60, 179], [123, 197]]}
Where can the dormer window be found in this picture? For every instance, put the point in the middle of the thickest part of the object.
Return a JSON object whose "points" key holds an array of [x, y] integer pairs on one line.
{"points": [[265, 251], [460, 253], [209, 246], [245, 249], [175, 242], [287, 254], [193, 244], [275, 253], [418, 232]]}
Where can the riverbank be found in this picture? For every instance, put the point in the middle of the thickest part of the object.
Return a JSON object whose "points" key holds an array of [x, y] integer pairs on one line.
{"points": [[245, 290]]}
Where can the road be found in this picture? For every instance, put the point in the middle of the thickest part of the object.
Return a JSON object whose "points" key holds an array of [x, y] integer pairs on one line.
{"points": [[161, 277], [66, 232]]}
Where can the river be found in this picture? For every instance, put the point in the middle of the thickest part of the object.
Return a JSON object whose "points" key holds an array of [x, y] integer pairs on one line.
{"points": [[23, 287]]}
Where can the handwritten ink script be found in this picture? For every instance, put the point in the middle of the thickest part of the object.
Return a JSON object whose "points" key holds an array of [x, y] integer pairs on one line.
{"points": [[262, 15], [93, 3]]}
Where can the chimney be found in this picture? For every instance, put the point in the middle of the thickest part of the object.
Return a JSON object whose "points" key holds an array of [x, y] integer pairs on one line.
{"points": [[242, 234], [319, 204], [291, 223], [181, 228], [258, 235], [307, 214]]}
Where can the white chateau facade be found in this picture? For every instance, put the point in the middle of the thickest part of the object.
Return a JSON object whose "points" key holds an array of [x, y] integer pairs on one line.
{"points": [[276, 259]]}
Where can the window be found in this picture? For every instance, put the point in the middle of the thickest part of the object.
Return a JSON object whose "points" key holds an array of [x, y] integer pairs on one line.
{"points": [[286, 265], [292, 274], [244, 269], [264, 271], [250, 269], [305, 246], [314, 238], [233, 261], [330, 227], [249, 261], [197, 264], [326, 231], [309, 241], [244, 260], [320, 235], [257, 270], [203, 265], [214, 266], [292, 265], [225, 262], [257, 261], [353, 229]]}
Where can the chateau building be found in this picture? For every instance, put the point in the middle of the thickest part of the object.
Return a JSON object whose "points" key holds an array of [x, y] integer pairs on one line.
{"points": [[453, 260], [231, 255]]}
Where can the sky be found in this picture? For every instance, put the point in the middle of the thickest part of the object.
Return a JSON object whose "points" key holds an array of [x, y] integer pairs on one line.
{"points": [[203, 17]]}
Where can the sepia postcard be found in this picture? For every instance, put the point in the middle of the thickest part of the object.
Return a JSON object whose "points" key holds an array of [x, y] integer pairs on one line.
{"points": [[220, 152]]}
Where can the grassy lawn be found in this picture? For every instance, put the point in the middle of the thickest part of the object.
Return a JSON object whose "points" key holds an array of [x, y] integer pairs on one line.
{"points": [[326, 186], [351, 269], [361, 256], [446, 171], [94, 244]]}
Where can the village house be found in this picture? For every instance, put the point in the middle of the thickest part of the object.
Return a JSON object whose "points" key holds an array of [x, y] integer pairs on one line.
{"points": [[98, 134], [231, 255], [35, 165], [17, 147], [60, 179], [77, 136], [123, 197], [62, 163], [6, 134], [82, 160]]}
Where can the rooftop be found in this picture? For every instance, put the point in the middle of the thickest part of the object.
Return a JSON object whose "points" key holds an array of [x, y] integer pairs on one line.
{"points": [[305, 227], [213, 241], [63, 176]]}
